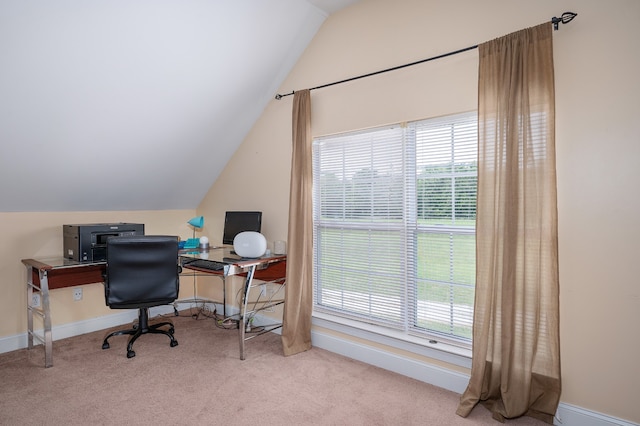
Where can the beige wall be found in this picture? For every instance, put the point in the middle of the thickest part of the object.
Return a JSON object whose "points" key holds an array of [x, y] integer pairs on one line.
{"points": [[597, 93], [39, 235], [597, 100]]}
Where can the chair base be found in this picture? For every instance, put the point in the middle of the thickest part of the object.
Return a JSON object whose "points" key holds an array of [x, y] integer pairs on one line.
{"points": [[142, 327]]}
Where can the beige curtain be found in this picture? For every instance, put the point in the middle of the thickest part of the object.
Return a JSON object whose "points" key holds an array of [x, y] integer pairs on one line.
{"points": [[516, 358], [296, 330]]}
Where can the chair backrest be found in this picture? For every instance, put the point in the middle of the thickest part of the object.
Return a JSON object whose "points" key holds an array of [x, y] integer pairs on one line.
{"points": [[142, 271]]}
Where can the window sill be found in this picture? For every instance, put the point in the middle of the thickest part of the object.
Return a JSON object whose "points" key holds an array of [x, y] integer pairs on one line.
{"points": [[440, 351]]}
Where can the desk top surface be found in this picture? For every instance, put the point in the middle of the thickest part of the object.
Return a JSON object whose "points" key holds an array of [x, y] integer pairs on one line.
{"points": [[59, 262], [227, 256], [217, 254]]}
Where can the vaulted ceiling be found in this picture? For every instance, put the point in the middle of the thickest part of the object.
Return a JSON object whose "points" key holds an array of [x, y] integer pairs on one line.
{"points": [[139, 104]]}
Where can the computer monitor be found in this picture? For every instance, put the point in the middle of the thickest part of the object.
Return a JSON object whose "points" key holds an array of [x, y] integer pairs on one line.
{"points": [[236, 222]]}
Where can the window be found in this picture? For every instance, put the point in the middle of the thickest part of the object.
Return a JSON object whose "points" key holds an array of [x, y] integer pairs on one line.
{"points": [[394, 226]]}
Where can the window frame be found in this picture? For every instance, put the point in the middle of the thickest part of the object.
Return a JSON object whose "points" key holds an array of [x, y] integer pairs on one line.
{"points": [[409, 227]]}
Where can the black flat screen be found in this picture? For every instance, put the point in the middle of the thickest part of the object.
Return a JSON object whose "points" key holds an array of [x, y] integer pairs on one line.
{"points": [[236, 222]]}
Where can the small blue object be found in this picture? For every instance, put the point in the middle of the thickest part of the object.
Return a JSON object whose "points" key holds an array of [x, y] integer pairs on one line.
{"points": [[191, 243], [181, 245]]}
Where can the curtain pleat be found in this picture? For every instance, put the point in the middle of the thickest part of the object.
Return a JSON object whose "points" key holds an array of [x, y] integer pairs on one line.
{"points": [[296, 330], [516, 359]]}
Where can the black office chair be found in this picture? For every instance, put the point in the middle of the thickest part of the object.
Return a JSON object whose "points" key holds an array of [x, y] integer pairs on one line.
{"points": [[142, 271]]}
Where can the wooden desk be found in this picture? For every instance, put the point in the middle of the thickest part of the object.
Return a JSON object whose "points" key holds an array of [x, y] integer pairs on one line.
{"points": [[53, 273]]}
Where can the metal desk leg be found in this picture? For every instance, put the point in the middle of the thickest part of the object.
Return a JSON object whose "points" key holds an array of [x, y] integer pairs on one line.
{"points": [[224, 296], [243, 309], [30, 307], [44, 312], [46, 308]]}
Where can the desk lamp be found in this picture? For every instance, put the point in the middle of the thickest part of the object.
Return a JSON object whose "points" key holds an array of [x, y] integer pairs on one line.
{"points": [[196, 222]]}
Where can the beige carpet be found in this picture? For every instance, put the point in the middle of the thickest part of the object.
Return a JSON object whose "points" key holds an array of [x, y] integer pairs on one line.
{"points": [[202, 381]]}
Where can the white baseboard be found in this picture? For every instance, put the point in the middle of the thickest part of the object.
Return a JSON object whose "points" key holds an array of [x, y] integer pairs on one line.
{"points": [[447, 379], [19, 341], [567, 414], [570, 415]]}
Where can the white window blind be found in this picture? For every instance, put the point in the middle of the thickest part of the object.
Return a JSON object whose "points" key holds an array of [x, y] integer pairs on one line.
{"points": [[394, 226]]}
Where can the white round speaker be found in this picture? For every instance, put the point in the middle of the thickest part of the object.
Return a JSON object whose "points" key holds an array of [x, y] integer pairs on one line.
{"points": [[249, 244]]}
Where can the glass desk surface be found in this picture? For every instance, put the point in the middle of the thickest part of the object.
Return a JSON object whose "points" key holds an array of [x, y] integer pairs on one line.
{"points": [[228, 256], [62, 262]]}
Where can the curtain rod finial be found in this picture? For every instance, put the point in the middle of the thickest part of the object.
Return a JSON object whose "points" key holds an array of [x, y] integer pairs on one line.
{"points": [[279, 96], [565, 18]]}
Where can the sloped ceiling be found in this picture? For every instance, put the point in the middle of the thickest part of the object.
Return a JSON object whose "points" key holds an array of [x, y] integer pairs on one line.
{"points": [[138, 104]]}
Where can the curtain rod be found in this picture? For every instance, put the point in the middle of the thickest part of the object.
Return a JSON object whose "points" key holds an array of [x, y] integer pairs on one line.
{"points": [[565, 18]]}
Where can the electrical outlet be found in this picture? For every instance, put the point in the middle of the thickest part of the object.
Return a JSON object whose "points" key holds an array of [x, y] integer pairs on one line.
{"points": [[35, 300], [77, 293]]}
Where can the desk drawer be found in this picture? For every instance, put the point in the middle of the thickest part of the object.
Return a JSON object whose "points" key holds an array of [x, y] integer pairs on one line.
{"points": [[69, 277], [275, 272]]}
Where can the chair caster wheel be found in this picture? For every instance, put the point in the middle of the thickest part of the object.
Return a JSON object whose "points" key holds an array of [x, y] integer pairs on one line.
{"points": [[173, 343], [131, 354], [105, 345], [171, 330]]}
